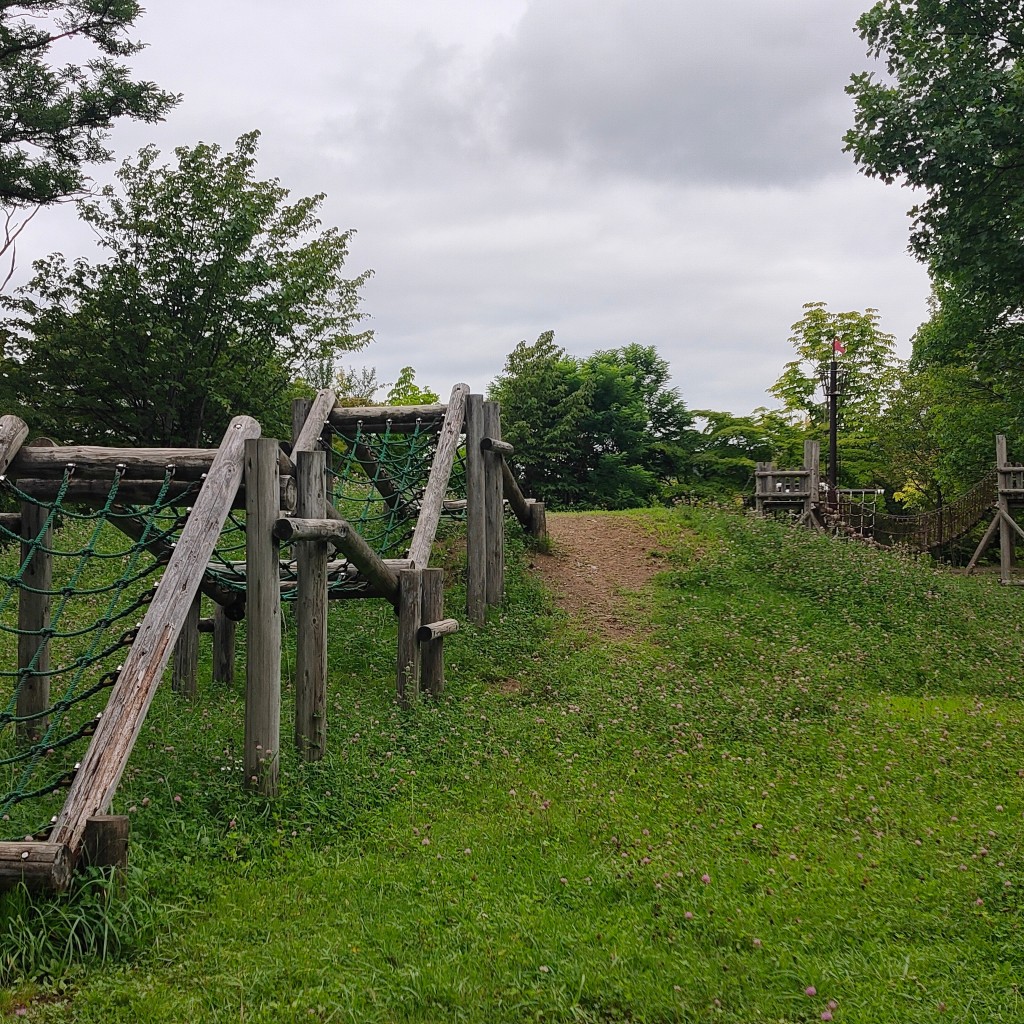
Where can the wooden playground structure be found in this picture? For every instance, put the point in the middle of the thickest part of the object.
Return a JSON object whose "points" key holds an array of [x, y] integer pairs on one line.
{"points": [[176, 508]]}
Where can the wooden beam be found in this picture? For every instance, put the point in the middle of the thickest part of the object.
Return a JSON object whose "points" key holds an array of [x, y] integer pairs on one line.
{"points": [[377, 418], [292, 530], [34, 599], [318, 414], [13, 432], [185, 666], [516, 500], [37, 866], [491, 444], [224, 628], [407, 683], [96, 780], [494, 508], [431, 635], [476, 514], [440, 473]]}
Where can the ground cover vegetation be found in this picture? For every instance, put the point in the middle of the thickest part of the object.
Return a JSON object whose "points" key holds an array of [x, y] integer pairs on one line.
{"points": [[794, 795]]}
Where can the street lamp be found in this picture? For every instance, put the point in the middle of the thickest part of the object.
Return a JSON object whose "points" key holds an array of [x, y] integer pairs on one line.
{"points": [[833, 376]]}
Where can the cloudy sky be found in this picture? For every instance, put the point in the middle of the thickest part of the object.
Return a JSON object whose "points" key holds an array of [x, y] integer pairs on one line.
{"points": [[668, 172]]}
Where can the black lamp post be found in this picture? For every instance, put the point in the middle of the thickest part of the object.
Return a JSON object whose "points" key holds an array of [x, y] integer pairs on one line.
{"points": [[833, 377]]}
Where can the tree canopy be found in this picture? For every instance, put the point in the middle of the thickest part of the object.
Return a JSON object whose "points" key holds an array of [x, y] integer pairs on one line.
{"points": [[215, 296], [55, 117]]}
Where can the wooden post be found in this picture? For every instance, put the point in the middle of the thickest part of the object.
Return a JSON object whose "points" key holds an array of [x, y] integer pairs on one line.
{"points": [[494, 506], [538, 520], [106, 842], [96, 780], [476, 513], [223, 647], [263, 619], [33, 618], [432, 647], [300, 413], [440, 473], [410, 586], [185, 671], [311, 614], [1007, 539], [37, 866]]}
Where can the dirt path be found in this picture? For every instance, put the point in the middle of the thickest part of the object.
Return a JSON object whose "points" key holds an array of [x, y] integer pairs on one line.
{"points": [[596, 556]]}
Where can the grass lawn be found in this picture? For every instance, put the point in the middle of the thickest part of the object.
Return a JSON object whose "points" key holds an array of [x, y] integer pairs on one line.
{"points": [[795, 795]]}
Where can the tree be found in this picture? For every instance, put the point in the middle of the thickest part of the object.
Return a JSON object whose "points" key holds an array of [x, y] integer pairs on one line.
{"points": [[405, 391], [55, 118], [605, 431], [946, 120], [216, 295]]}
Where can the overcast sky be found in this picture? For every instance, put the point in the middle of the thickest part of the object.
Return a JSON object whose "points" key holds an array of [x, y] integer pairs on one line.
{"points": [[665, 172]]}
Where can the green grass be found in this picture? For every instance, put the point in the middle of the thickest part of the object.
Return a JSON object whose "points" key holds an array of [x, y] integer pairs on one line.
{"points": [[806, 772]]}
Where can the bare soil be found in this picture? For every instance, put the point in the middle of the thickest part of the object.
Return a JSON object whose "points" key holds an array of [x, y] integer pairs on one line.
{"points": [[597, 559]]}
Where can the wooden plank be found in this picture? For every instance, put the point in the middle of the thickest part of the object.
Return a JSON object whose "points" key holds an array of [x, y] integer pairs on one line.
{"points": [[33, 617], [38, 866], [185, 666], [13, 431], [431, 635], [440, 473], [408, 672], [101, 768], [261, 752], [223, 647], [494, 508], [311, 615], [476, 514]]}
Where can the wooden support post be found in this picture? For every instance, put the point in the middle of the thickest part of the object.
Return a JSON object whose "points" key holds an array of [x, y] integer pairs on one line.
{"points": [[263, 619], [33, 619], [410, 587], [1007, 540], [311, 614], [538, 520], [13, 432], [96, 780], [516, 500], [300, 413], [223, 647], [494, 506], [185, 671], [105, 844], [432, 645], [476, 513]]}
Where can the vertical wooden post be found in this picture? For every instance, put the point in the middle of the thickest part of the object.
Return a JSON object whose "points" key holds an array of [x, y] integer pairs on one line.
{"points": [[410, 587], [1007, 538], [223, 646], [300, 412], [105, 843], [432, 651], [185, 671], [311, 612], [263, 611], [538, 520], [476, 514], [33, 618], [494, 509]]}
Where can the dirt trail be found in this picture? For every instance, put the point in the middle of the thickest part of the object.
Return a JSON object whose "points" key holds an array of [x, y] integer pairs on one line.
{"points": [[596, 556]]}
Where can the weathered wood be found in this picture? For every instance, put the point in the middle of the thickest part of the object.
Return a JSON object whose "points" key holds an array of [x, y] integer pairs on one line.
{"points": [[300, 413], [493, 444], [176, 494], [224, 628], [432, 633], [34, 617], [92, 462], [516, 500], [983, 544], [11, 522], [538, 520], [377, 418], [293, 530], [440, 473], [97, 778], [105, 844], [476, 513], [311, 615], [494, 508], [410, 589], [370, 565], [185, 665], [13, 432], [260, 757], [39, 866], [318, 414]]}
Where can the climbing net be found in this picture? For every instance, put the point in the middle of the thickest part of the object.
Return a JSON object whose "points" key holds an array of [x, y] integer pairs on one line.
{"points": [[71, 591]]}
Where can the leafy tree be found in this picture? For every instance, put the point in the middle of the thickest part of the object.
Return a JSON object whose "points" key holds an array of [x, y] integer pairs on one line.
{"points": [[946, 120], [405, 391], [605, 431], [216, 294], [55, 117]]}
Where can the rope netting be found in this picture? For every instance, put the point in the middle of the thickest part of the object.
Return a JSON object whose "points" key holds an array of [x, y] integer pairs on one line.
{"points": [[98, 581]]}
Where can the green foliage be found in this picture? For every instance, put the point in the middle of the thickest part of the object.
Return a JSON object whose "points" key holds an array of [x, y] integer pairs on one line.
{"points": [[405, 391], [216, 294], [57, 117], [946, 120], [605, 432]]}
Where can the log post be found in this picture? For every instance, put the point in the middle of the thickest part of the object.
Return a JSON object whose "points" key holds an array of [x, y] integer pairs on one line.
{"points": [[494, 505], [432, 644], [185, 671], [223, 647], [33, 620], [410, 587], [37, 866], [476, 513], [311, 613], [538, 520], [263, 614], [1007, 540], [105, 843]]}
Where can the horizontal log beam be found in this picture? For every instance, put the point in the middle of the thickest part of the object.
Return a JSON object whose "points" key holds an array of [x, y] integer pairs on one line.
{"points": [[436, 630], [40, 866], [374, 419], [491, 444], [290, 530]]}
